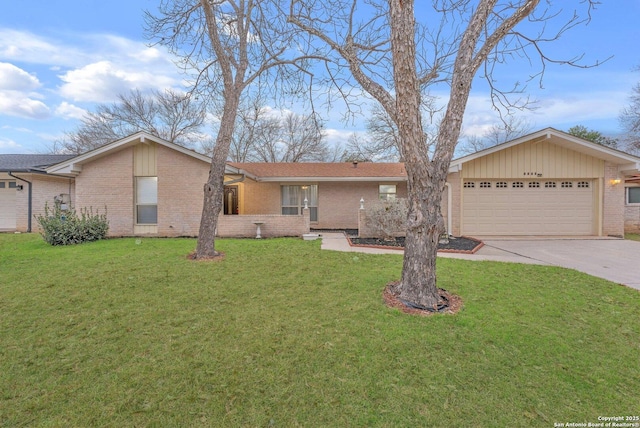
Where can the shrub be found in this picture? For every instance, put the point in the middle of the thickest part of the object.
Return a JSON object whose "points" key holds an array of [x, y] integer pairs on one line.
{"points": [[387, 219], [65, 227]]}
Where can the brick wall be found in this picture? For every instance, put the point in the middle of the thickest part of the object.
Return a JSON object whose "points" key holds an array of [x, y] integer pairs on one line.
{"points": [[273, 225], [259, 197], [44, 189], [631, 218], [613, 210], [108, 181], [181, 180]]}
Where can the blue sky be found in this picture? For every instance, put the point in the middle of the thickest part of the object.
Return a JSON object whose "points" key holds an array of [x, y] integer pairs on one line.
{"points": [[59, 58]]}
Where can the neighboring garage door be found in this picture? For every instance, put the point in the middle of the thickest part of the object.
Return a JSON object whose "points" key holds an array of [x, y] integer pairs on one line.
{"points": [[7, 205], [528, 207]]}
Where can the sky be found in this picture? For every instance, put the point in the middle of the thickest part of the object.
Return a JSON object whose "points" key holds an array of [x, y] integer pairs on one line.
{"points": [[59, 59]]}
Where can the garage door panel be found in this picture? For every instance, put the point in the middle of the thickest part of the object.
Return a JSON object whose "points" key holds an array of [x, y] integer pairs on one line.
{"points": [[528, 210], [7, 205]]}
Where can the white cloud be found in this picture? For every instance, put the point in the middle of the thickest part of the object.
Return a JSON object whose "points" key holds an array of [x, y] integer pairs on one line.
{"points": [[17, 96], [16, 79], [10, 146], [27, 47], [69, 111], [15, 103], [103, 81]]}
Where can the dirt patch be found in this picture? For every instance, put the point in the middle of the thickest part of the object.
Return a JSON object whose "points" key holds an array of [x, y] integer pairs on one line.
{"points": [[216, 258], [391, 299]]}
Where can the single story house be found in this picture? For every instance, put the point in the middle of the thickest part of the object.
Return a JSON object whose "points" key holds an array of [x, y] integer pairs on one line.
{"points": [[545, 183]]}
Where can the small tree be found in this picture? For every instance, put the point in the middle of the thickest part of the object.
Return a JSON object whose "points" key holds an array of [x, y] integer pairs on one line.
{"points": [[593, 136]]}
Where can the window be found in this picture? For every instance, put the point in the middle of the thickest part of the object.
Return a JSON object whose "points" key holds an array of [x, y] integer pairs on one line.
{"points": [[534, 184], [12, 185], [485, 185], [633, 195], [387, 192], [147, 200], [567, 184], [501, 185], [583, 184], [469, 184], [293, 200], [1, 184], [550, 185], [517, 184]]}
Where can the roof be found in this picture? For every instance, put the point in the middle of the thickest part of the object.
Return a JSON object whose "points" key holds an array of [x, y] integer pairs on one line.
{"points": [[29, 162], [73, 166], [626, 163], [359, 171]]}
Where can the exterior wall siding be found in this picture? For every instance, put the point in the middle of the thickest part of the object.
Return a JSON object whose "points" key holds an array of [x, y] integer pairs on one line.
{"points": [[44, 189], [181, 181], [108, 181], [548, 159], [613, 204]]}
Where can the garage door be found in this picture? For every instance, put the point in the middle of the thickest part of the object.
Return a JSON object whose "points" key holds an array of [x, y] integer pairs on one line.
{"points": [[7, 205], [528, 207]]}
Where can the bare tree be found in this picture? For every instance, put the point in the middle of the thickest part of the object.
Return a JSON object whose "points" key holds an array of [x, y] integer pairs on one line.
{"points": [[380, 46], [167, 114], [510, 128], [232, 47], [630, 121]]}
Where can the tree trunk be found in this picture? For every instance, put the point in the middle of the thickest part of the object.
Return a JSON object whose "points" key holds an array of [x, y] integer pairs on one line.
{"points": [[214, 188], [418, 283]]}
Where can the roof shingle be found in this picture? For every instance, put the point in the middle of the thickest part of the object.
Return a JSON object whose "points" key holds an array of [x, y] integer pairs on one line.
{"points": [[29, 162]]}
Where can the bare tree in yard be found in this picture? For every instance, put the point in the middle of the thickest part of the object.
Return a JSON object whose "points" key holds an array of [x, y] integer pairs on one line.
{"points": [[167, 114], [510, 128], [380, 45], [233, 47], [630, 121]]}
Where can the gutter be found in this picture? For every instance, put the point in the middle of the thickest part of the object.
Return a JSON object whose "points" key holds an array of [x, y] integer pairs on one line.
{"points": [[30, 204]]}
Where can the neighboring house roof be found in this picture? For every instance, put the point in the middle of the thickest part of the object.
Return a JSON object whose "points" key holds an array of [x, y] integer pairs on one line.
{"points": [[307, 171], [73, 166], [627, 164], [29, 162]]}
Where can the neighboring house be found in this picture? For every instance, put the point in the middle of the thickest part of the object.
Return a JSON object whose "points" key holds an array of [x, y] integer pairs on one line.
{"points": [[545, 183]]}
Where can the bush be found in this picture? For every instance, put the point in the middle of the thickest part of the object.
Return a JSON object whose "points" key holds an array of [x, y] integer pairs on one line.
{"points": [[66, 227]]}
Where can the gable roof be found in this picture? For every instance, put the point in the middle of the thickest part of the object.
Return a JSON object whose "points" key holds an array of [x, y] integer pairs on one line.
{"points": [[309, 171], [627, 163], [29, 162], [73, 166]]}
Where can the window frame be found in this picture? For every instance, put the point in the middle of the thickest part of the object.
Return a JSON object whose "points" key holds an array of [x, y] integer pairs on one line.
{"points": [[304, 191], [387, 196], [628, 195], [147, 203]]}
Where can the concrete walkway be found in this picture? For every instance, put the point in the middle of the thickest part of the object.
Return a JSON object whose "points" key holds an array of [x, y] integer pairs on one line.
{"points": [[612, 259]]}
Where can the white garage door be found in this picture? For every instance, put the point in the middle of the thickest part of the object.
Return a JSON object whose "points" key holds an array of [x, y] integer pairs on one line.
{"points": [[528, 207], [7, 205]]}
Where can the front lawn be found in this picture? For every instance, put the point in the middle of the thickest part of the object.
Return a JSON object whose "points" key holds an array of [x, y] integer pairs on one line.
{"points": [[129, 332], [632, 236]]}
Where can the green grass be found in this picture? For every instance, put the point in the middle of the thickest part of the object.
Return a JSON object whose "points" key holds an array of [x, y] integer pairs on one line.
{"points": [[128, 332], [632, 236]]}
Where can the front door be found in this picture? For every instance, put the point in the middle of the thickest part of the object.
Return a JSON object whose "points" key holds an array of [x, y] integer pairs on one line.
{"points": [[230, 200]]}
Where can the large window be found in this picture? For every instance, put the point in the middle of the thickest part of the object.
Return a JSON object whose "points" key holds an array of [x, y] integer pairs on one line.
{"points": [[633, 195], [387, 192], [147, 200], [293, 200]]}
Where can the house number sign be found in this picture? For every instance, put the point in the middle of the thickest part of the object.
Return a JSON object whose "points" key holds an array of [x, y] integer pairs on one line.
{"points": [[533, 174]]}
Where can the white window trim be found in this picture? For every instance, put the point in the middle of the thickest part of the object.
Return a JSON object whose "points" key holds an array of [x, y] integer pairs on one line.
{"points": [[626, 196]]}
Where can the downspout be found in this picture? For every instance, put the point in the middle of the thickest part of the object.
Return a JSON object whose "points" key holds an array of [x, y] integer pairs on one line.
{"points": [[29, 205], [449, 201]]}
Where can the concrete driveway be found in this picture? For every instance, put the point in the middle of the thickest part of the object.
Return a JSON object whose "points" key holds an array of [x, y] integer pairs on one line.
{"points": [[617, 260]]}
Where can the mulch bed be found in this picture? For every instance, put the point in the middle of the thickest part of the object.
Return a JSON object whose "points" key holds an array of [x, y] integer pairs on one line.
{"points": [[455, 245], [192, 256], [391, 299]]}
